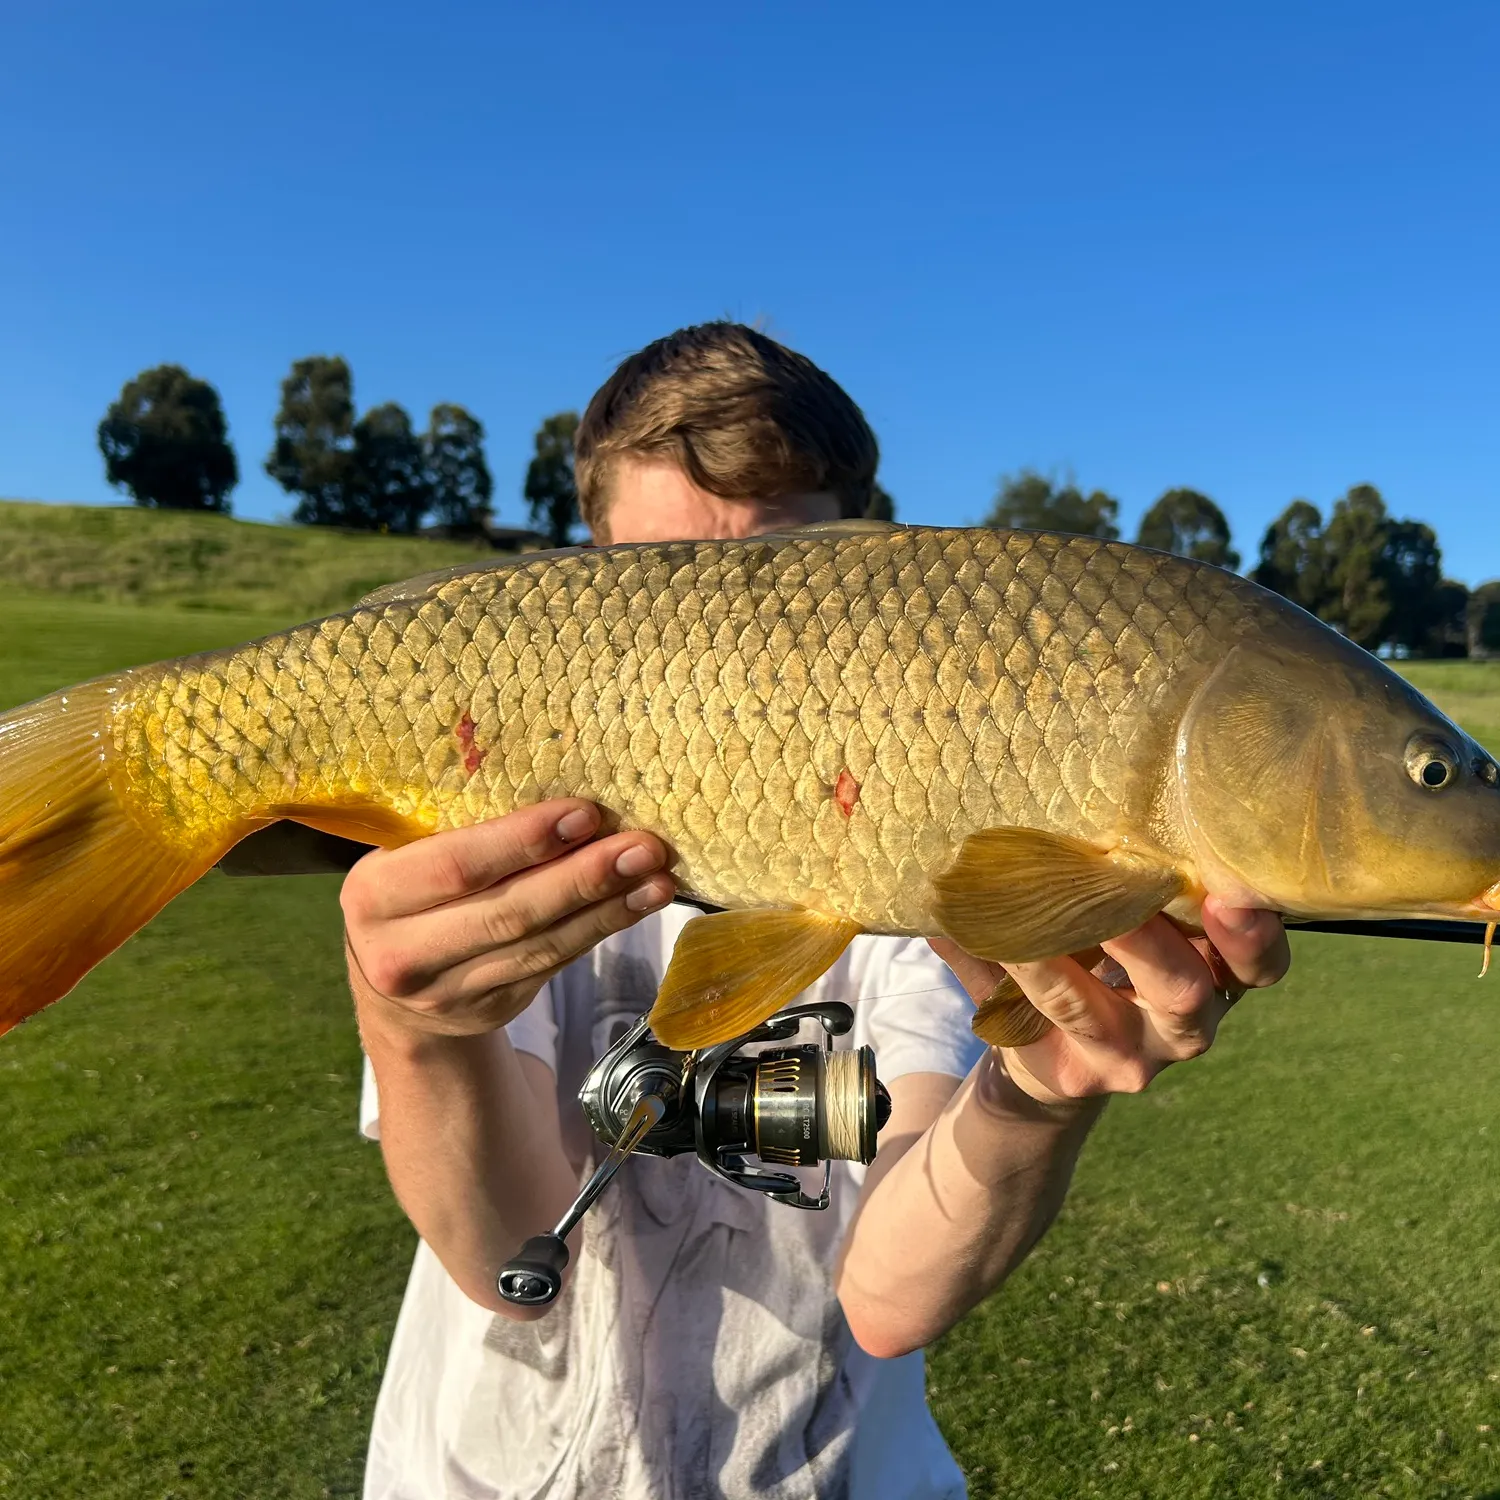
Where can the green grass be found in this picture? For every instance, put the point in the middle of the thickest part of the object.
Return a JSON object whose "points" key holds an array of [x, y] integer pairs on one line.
{"points": [[1467, 691], [123, 554], [200, 1263]]}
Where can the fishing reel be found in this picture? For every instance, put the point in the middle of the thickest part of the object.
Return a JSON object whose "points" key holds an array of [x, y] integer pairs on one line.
{"points": [[787, 1106]]}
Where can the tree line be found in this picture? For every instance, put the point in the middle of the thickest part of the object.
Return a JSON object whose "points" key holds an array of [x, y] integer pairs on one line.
{"points": [[165, 440], [1375, 577]]}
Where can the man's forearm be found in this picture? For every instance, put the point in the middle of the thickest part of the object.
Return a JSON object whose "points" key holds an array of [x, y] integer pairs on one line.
{"points": [[959, 1210], [474, 1158]]}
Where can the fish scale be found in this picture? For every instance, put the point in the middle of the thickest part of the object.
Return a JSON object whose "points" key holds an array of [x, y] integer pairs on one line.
{"points": [[715, 692]]}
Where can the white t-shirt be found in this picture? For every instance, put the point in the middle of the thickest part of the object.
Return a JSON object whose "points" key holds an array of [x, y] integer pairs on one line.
{"points": [[699, 1350]]}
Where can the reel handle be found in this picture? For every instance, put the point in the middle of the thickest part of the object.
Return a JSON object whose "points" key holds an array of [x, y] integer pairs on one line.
{"points": [[533, 1276]]}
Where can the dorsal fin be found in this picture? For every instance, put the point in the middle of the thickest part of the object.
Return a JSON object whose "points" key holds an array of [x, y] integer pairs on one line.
{"points": [[410, 590], [851, 526]]}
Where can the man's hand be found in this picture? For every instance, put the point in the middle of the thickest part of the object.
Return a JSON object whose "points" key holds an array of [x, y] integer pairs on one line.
{"points": [[455, 934], [1158, 999]]}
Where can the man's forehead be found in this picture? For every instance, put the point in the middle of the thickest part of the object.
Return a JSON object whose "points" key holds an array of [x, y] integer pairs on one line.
{"points": [[653, 500]]}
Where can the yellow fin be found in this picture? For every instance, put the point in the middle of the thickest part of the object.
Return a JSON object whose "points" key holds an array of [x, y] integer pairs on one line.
{"points": [[313, 840], [364, 822], [423, 586], [847, 526], [1016, 895], [77, 874], [1008, 1018], [419, 588], [733, 969]]}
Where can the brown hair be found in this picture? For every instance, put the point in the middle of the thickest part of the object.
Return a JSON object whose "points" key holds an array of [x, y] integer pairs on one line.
{"points": [[741, 415]]}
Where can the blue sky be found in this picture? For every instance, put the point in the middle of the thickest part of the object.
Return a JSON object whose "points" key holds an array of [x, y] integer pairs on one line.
{"points": [[1248, 248]]}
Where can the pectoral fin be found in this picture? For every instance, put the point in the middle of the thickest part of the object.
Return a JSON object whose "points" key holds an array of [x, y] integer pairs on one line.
{"points": [[1008, 1018], [732, 970], [1015, 895]]}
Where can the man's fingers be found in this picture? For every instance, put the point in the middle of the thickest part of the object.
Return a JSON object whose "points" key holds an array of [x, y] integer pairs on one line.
{"points": [[1174, 984], [977, 975], [521, 908], [1070, 997], [544, 953], [460, 861], [1252, 943], [1171, 994], [1095, 1046]]}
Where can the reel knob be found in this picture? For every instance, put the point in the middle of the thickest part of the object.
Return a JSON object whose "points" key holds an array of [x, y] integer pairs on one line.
{"points": [[533, 1276]]}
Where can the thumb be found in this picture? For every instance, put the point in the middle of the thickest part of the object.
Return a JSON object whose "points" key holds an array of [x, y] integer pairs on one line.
{"points": [[977, 975]]}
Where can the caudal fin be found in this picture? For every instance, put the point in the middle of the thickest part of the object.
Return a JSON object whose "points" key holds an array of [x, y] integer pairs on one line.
{"points": [[77, 874]]}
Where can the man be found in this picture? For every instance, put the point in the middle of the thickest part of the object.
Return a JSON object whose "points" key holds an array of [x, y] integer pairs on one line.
{"points": [[708, 1342]]}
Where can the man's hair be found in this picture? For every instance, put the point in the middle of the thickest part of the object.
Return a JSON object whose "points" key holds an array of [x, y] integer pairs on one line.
{"points": [[741, 415]]}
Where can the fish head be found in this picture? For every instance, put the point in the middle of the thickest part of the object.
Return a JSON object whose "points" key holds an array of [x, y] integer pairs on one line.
{"points": [[1316, 781]]}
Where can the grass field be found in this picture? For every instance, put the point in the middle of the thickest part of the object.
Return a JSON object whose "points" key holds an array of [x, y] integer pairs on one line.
{"points": [[1276, 1275], [199, 1259], [121, 554]]}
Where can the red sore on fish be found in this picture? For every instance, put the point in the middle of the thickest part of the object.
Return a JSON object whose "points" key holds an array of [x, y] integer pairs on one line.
{"points": [[846, 793], [473, 754]]}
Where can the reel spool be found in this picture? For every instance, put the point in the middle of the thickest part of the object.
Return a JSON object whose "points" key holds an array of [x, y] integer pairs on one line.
{"points": [[790, 1106]]}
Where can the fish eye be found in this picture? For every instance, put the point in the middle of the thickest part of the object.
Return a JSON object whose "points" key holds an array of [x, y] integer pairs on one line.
{"points": [[1431, 762]]}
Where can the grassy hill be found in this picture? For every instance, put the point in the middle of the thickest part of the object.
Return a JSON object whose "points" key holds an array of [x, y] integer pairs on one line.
{"points": [[122, 554]]}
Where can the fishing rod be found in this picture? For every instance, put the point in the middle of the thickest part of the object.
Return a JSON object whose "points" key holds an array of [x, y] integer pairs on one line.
{"points": [[291, 849], [1432, 932]]}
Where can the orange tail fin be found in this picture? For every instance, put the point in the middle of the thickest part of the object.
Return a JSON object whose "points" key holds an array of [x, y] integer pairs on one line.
{"points": [[77, 875]]}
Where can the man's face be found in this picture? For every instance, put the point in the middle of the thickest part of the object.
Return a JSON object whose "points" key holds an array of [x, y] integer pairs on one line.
{"points": [[657, 502]]}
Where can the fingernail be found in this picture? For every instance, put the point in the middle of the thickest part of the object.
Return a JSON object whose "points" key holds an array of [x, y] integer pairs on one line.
{"points": [[648, 897], [636, 860], [578, 824]]}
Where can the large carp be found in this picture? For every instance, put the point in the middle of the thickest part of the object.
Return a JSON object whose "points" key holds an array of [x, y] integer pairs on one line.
{"points": [[1026, 742]]}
